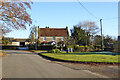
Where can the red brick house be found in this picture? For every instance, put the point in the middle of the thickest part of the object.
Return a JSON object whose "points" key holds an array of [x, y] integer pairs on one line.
{"points": [[53, 34]]}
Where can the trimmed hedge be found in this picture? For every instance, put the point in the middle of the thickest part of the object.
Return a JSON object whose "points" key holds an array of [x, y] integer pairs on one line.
{"points": [[10, 47], [46, 47], [77, 48]]}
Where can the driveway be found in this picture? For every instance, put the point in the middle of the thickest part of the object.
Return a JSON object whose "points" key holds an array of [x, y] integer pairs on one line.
{"points": [[24, 64]]}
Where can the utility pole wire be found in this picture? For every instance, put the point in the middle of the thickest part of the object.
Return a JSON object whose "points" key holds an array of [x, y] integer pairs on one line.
{"points": [[94, 15], [100, 21], [87, 10]]}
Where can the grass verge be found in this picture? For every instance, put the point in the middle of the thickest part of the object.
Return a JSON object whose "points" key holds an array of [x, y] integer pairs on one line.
{"points": [[2, 53], [84, 57]]}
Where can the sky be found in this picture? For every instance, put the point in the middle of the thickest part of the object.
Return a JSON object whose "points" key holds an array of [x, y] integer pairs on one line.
{"points": [[62, 14]]}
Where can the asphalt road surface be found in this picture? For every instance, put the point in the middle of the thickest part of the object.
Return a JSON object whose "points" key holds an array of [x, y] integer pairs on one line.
{"points": [[23, 64]]}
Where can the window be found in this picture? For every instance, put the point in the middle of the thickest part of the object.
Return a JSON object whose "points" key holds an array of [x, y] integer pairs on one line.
{"points": [[63, 38], [54, 38], [44, 39]]}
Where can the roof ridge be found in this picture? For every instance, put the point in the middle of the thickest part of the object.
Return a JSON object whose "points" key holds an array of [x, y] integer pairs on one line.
{"points": [[53, 31], [52, 28]]}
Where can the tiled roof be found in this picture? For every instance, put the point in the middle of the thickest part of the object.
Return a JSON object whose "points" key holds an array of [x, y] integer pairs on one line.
{"points": [[53, 31]]}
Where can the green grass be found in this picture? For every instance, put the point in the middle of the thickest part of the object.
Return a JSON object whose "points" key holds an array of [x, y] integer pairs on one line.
{"points": [[1, 52], [84, 58]]}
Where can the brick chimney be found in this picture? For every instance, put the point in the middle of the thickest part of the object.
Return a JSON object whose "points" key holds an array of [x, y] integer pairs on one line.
{"points": [[46, 27], [38, 27], [66, 28]]}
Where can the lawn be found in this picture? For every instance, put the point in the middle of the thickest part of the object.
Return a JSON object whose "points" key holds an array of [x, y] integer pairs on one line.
{"points": [[84, 57], [2, 53]]}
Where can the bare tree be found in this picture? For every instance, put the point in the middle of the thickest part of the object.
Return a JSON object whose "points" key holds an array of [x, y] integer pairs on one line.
{"points": [[34, 31], [90, 28], [32, 37], [14, 15]]}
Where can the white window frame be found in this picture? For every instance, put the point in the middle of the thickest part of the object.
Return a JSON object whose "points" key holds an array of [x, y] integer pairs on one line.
{"points": [[44, 38], [63, 38], [54, 38]]}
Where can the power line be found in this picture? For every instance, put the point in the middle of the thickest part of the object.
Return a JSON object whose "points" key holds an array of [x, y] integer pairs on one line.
{"points": [[87, 9], [94, 15]]}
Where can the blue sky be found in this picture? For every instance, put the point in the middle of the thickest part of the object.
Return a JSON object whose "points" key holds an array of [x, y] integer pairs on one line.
{"points": [[62, 14]]}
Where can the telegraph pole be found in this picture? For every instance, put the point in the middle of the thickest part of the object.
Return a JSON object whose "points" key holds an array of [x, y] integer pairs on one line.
{"points": [[101, 35]]}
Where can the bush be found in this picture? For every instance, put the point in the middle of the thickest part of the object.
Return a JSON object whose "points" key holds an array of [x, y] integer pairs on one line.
{"points": [[15, 48], [54, 51], [86, 48], [91, 48], [59, 47], [65, 47], [57, 51], [116, 46], [71, 46], [10, 47], [83, 48], [79, 48], [46, 47]]}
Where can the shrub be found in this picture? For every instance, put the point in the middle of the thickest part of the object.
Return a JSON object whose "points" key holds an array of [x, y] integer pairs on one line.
{"points": [[60, 47], [86, 48], [15, 48], [71, 46], [54, 51], [46, 47], [91, 48], [116, 46], [10, 47], [79, 48], [65, 48], [57, 51]]}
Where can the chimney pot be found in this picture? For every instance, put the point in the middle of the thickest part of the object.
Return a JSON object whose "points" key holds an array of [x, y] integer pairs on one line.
{"points": [[66, 27]]}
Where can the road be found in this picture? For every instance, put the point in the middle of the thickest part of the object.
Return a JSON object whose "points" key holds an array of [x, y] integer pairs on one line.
{"points": [[23, 64]]}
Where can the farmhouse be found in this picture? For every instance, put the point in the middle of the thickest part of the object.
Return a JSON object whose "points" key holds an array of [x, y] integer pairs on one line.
{"points": [[57, 35]]}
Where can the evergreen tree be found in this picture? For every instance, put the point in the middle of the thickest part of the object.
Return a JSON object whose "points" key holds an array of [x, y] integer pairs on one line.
{"points": [[79, 35]]}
